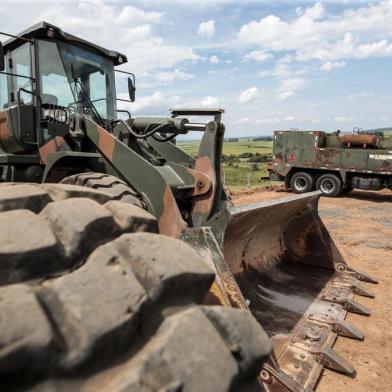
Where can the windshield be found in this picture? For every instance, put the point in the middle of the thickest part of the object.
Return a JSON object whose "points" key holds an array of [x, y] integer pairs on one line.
{"points": [[92, 80], [56, 89]]}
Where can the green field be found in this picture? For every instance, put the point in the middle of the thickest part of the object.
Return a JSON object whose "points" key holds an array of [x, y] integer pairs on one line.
{"points": [[235, 148], [240, 172]]}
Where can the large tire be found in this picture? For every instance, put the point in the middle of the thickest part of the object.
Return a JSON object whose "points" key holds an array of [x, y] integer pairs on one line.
{"points": [[119, 189], [91, 298], [302, 182], [330, 185]]}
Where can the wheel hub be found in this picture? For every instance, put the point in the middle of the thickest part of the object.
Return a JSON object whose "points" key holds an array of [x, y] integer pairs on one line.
{"points": [[327, 186], [300, 183]]}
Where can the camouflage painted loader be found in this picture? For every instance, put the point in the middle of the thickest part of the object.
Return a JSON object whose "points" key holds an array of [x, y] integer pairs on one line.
{"points": [[93, 307]]}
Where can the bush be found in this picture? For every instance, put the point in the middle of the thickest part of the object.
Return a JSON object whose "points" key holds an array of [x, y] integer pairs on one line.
{"points": [[229, 158], [262, 139], [246, 155]]}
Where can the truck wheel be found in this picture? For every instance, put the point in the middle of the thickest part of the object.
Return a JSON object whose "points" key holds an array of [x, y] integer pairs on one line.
{"points": [[302, 182], [330, 185], [92, 299]]}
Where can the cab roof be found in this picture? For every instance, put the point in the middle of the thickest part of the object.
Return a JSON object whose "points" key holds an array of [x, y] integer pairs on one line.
{"points": [[49, 31]]}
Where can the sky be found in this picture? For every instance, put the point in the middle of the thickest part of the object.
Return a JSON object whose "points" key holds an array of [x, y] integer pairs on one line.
{"points": [[271, 65]]}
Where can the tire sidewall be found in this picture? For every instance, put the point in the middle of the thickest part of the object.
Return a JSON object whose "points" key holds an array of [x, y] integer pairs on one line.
{"points": [[325, 181], [301, 182]]}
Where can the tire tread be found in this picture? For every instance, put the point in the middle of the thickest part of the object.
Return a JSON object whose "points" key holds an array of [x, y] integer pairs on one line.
{"points": [[120, 310]]}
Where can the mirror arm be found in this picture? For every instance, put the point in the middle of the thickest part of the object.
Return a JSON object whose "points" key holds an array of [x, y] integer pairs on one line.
{"points": [[123, 100], [128, 73], [131, 85], [124, 72]]}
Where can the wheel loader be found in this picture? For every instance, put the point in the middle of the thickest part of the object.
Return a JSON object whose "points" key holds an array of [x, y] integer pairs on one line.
{"points": [[93, 300]]}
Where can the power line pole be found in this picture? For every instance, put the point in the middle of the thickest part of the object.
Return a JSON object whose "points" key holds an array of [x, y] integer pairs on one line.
{"points": [[248, 179]]}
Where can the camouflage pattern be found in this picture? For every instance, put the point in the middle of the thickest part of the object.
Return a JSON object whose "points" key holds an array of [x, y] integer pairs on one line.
{"points": [[5, 132], [367, 154]]}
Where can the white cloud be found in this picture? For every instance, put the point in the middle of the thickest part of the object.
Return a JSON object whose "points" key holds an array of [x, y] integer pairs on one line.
{"points": [[166, 77], [159, 102], [326, 33], [265, 120], [206, 29], [282, 70], [330, 65], [244, 120], [288, 87], [279, 71], [375, 49], [286, 59], [285, 120], [264, 73], [259, 56], [155, 103], [209, 102], [124, 28], [359, 95], [314, 12], [313, 120], [214, 59], [360, 32], [343, 119], [283, 95], [130, 14], [248, 95]]}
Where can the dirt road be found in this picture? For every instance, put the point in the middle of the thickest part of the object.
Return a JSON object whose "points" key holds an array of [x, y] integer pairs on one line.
{"points": [[361, 225]]}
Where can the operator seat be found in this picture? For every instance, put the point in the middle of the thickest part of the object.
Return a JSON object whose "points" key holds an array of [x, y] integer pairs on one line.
{"points": [[49, 99]]}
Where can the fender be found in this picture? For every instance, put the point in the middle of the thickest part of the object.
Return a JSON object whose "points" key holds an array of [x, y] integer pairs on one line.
{"points": [[58, 162]]}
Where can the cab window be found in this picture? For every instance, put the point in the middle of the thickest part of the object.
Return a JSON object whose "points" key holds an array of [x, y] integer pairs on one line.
{"points": [[3, 91], [98, 87], [21, 63], [54, 82]]}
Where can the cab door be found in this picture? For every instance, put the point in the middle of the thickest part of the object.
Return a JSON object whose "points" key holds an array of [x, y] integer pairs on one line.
{"points": [[4, 102], [23, 103]]}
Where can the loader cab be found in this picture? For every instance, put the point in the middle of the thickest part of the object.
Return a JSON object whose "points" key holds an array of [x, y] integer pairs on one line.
{"points": [[47, 75], [74, 78]]}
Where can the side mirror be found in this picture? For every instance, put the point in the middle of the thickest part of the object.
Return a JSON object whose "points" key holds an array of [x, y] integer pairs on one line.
{"points": [[2, 59], [131, 88]]}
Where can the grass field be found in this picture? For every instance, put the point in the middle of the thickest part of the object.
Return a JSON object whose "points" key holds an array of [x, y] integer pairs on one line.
{"points": [[233, 148], [241, 173]]}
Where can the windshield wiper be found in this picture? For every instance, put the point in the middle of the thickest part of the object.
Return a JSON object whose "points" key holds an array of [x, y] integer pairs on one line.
{"points": [[83, 97]]}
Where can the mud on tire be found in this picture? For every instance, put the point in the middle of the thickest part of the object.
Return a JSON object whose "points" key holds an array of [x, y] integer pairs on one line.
{"points": [[92, 298]]}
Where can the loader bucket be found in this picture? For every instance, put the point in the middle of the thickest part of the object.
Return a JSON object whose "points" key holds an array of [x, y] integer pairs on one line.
{"points": [[296, 283]]}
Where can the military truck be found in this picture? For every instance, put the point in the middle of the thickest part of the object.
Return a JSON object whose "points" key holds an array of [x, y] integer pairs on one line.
{"points": [[332, 162], [124, 265]]}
